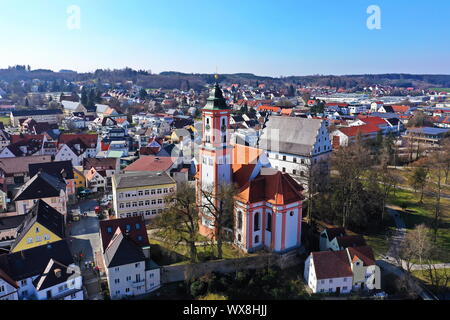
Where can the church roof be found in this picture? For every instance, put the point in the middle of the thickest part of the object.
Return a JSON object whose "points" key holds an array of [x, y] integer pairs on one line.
{"points": [[272, 186], [216, 101]]}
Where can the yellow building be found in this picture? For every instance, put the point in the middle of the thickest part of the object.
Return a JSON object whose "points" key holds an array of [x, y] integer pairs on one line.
{"points": [[80, 179], [141, 193], [42, 225]]}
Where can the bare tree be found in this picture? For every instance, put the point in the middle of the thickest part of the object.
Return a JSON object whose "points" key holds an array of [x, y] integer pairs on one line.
{"points": [[219, 205], [179, 222], [350, 162]]}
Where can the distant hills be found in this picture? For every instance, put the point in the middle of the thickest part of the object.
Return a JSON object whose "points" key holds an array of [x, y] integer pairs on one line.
{"points": [[179, 80]]}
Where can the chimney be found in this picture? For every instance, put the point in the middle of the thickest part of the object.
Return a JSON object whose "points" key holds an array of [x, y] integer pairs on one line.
{"points": [[58, 273]]}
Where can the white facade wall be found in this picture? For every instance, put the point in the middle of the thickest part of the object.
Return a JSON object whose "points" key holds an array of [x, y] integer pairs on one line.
{"points": [[325, 285], [152, 279], [7, 291], [127, 280], [72, 289]]}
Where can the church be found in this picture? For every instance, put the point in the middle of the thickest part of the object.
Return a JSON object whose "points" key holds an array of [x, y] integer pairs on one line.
{"points": [[268, 203]]}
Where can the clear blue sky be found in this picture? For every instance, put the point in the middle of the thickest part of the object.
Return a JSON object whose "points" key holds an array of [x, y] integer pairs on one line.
{"points": [[265, 37]]}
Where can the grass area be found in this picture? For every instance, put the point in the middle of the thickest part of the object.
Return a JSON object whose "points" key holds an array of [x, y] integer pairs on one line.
{"points": [[440, 89], [179, 253], [213, 296], [421, 275], [417, 213], [6, 121], [379, 241]]}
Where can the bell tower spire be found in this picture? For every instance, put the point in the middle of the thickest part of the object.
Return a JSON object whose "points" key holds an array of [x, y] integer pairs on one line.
{"points": [[215, 151]]}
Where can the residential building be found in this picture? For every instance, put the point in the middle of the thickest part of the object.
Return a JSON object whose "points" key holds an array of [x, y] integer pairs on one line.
{"points": [[126, 258], [141, 193], [44, 187], [336, 239], [42, 225], [16, 171], [297, 146], [50, 116], [46, 272], [342, 271], [62, 170]]}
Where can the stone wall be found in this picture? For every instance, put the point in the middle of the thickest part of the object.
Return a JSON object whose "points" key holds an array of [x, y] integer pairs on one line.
{"points": [[175, 273]]}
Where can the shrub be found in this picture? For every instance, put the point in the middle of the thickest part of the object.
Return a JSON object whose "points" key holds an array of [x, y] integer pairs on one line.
{"points": [[198, 288]]}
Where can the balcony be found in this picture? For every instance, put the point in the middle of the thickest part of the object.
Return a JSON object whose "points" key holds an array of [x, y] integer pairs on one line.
{"points": [[136, 284]]}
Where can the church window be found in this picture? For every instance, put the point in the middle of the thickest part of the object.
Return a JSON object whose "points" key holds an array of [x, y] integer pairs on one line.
{"points": [[269, 221], [256, 239], [239, 238], [239, 220], [256, 221], [291, 213]]}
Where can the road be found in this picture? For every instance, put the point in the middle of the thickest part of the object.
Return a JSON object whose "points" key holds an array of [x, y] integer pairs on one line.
{"points": [[84, 239], [390, 264]]}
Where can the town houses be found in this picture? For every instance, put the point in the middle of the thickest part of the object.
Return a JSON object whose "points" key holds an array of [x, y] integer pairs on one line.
{"points": [[85, 183]]}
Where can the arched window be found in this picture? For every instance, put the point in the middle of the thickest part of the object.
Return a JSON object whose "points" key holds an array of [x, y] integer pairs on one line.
{"points": [[207, 120], [239, 238], [239, 220], [269, 221], [256, 239], [223, 122], [256, 221]]}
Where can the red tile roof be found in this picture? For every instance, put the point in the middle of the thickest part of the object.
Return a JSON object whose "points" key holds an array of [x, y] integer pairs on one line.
{"points": [[372, 120], [151, 163], [331, 264], [364, 253], [401, 109], [272, 186], [138, 235], [269, 108], [364, 129]]}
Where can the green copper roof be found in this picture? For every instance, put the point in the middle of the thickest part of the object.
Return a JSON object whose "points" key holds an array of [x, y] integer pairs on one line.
{"points": [[216, 101]]}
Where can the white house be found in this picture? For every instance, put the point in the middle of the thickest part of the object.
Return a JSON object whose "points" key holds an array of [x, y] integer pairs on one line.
{"points": [[342, 271], [294, 145], [129, 270], [46, 272]]}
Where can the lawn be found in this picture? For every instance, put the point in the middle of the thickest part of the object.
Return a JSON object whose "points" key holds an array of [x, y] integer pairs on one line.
{"points": [[380, 241], [6, 121], [168, 255], [440, 89], [421, 275], [417, 213]]}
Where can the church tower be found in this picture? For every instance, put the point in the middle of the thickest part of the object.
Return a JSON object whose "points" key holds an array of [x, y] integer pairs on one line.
{"points": [[215, 153]]}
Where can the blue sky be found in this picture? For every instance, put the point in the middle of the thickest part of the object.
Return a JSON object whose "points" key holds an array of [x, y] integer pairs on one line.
{"points": [[265, 37]]}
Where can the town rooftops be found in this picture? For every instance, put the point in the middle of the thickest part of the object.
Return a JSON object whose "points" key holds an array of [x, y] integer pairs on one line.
{"points": [[11, 222], [14, 165], [291, 135], [42, 185], [122, 250], [134, 227], [151, 163], [25, 113], [331, 264], [60, 169], [365, 254], [54, 273], [32, 262], [363, 129], [140, 179], [429, 131], [334, 232], [100, 163], [46, 216], [351, 241]]}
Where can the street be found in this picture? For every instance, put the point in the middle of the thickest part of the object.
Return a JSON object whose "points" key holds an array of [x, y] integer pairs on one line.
{"points": [[84, 240]]}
